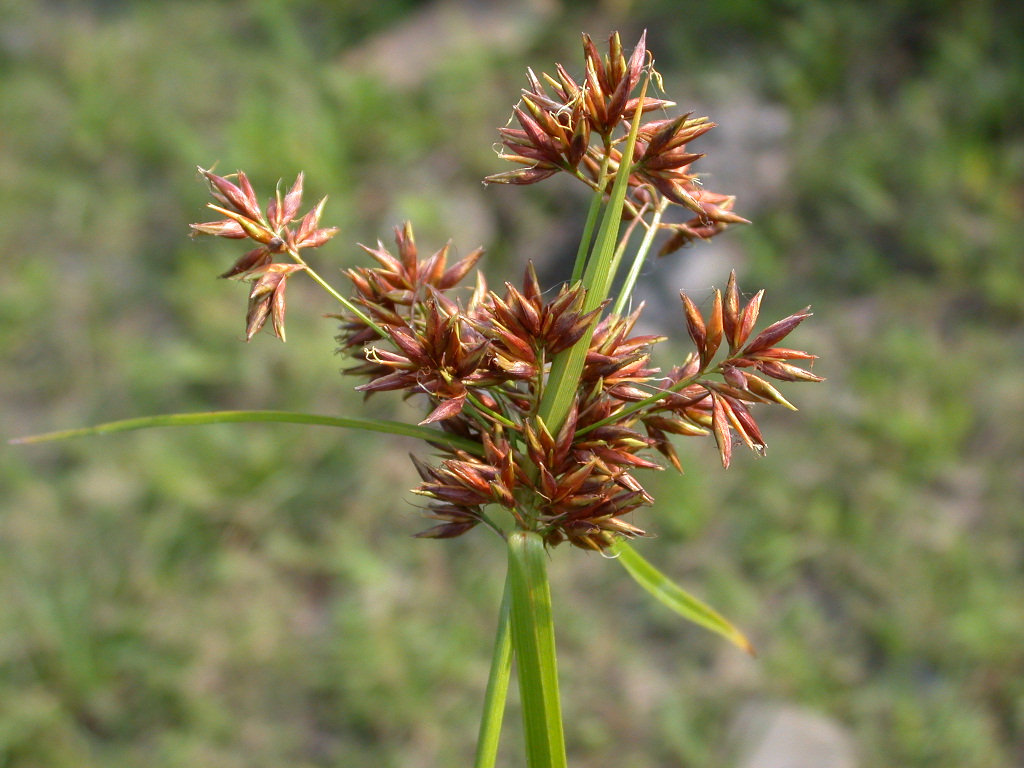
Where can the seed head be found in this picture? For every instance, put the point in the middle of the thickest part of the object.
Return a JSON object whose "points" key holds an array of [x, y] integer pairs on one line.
{"points": [[479, 362], [578, 128], [244, 219]]}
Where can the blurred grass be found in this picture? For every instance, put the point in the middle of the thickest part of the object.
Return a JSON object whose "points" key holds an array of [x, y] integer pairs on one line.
{"points": [[249, 596]]}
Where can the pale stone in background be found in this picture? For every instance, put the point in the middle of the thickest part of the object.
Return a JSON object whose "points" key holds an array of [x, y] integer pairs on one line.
{"points": [[787, 736]]}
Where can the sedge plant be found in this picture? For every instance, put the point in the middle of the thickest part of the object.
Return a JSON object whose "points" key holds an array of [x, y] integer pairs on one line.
{"points": [[541, 407]]}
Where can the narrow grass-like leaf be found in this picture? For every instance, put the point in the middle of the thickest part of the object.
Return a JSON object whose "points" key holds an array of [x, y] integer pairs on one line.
{"points": [[497, 686], [677, 598], [533, 640], [225, 417]]}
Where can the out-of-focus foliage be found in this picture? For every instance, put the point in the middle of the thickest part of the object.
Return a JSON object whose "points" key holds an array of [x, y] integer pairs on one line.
{"points": [[250, 596]]}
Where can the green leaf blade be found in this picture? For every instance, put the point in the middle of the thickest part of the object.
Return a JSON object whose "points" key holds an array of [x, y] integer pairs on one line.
{"points": [[675, 597], [234, 417]]}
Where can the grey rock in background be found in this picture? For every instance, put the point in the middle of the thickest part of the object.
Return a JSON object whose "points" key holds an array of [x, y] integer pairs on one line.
{"points": [[787, 736]]}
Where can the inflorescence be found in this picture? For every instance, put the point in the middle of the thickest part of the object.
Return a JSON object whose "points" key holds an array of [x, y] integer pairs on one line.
{"points": [[482, 359]]}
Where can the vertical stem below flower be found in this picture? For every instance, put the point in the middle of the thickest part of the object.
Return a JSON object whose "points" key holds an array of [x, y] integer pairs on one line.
{"points": [[533, 640], [497, 686]]}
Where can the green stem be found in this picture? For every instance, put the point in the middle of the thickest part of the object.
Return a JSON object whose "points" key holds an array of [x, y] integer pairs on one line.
{"points": [[598, 277], [588, 229], [341, 299], [638, 260], [486, 520], [620, 250], [627, 206], [597, 280], [533, 641], [640, 404], [497, 686], [483, 409]]}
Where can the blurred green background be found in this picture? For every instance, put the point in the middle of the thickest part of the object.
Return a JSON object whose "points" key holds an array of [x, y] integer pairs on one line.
{"points": [[248, 596]]}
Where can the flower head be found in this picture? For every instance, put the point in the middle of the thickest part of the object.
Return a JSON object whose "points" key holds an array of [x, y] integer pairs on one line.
{"points": [[485, 365], [274, 234], [579, 127], [481, 363]]}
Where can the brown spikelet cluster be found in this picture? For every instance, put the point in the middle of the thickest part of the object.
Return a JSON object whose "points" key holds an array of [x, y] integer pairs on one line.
{"points": [[480, 364], [274, 234], [483, 364], [578, 127]]}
